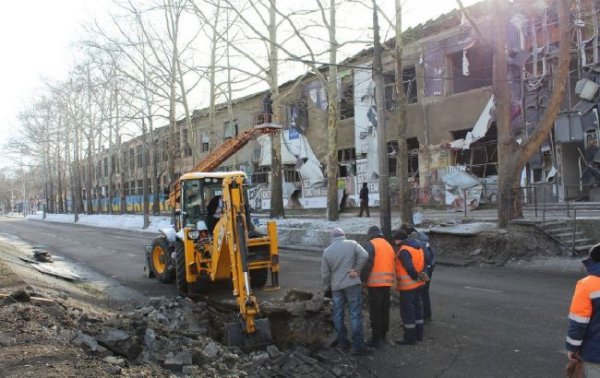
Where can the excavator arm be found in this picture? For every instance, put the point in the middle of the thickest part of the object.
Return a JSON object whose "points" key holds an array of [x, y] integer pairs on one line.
{"points": [[248, 331], [222, 153]]}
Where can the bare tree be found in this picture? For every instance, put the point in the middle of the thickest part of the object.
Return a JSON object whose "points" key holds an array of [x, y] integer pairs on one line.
{"points": [[513, 156]]}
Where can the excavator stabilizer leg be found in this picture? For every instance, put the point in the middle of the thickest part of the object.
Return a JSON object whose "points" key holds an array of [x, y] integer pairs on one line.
{"points": [[260, 339]]}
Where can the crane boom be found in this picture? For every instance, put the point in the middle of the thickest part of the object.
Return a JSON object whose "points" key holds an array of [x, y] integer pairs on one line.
{"points": [[222, 153]]}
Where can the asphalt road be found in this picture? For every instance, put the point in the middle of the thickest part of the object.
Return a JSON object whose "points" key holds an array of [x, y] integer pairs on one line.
{"points": [[488, 321]]}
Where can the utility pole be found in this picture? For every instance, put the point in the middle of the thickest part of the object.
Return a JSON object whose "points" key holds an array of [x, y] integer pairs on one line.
{"points": [[384, 179]]}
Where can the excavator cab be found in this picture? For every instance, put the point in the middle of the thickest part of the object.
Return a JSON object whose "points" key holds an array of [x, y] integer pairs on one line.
{"points": [[201, 205]]}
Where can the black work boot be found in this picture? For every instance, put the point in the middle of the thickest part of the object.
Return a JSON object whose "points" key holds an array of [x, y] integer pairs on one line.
{"points": [[419, 332], [410, 337]]}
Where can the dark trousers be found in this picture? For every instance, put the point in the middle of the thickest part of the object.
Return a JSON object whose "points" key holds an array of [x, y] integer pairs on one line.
{"points": [[425, 297], [379, 311], [364, 205], [411, 311]]}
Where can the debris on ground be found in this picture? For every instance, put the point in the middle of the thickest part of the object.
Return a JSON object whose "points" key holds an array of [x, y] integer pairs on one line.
{"points": [[168, 336], [42, 256]]}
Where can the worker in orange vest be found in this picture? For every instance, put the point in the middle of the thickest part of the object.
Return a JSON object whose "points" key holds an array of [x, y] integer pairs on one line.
{"points": [[379, 276], [583, 336], [410, 280]]}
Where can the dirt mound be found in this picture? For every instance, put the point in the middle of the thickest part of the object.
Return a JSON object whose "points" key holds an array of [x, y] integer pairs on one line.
{"points": [[498, 246]]}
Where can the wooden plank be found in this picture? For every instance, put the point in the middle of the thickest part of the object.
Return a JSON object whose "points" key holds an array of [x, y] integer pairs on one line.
{"points": [[34, 299]]}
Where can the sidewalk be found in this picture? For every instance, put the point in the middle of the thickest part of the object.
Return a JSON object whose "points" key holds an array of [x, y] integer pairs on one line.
{"points": [[310, 232]]}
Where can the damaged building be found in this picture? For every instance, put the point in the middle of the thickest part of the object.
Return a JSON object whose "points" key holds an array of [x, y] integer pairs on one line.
{"points": [[451, 131]]}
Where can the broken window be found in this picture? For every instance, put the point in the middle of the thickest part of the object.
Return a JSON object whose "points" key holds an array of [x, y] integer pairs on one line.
{"points": [[481, 158], [290, 174], [131, 160], [347, 100], [139, 156], [409, 81], [471, 69], [346, 161], [231, 129], [412, 145], [297, 116], [260, 175], [187, 150], [205, 145]]}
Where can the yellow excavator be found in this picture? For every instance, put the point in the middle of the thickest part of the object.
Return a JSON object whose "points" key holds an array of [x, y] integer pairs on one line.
{"points": [[213, 239]]}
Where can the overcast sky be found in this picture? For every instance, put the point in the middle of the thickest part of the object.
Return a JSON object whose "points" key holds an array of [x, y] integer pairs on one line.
{"points": [[37, 36]]}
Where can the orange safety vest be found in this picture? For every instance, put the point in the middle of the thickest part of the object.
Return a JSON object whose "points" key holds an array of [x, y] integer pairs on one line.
{"points": [[403, 280], [382, 273]]}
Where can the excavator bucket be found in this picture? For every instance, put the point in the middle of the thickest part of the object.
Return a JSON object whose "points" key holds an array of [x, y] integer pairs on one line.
{"points": [[260, 339]]}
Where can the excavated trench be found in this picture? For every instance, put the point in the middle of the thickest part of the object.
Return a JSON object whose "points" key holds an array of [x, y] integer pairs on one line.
{"points": [[301, 318]]}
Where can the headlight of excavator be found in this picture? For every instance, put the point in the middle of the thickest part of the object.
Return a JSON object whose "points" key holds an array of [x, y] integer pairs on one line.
{"points": [[193, 234]]}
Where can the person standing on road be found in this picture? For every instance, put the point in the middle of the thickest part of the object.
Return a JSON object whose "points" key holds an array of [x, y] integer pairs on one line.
{"points": [[364, 199], [379, 275], [422, 238], [410, 279], [583, 336], [340, 266]]}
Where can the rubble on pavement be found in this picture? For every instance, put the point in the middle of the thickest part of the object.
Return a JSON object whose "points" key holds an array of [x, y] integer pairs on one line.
{"points": [[168, 336]]}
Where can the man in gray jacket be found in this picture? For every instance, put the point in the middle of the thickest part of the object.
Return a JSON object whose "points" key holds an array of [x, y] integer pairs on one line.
{"points": [[340, 268]]}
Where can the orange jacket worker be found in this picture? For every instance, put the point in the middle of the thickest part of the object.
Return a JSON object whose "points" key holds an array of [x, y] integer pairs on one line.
{"points": [[379, 276], [583, 336]]}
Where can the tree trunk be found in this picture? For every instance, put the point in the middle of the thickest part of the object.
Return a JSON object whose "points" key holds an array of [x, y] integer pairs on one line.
{"points": [[277, 210], [155, 180], [332, 126], [59, 176], [404, 197], [145, 202], [172, 131], [89, 176], [78, 205]]}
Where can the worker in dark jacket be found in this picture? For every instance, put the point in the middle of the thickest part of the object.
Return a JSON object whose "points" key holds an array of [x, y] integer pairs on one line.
{"points": [[378, 275], [422, 238], [363, 195], [410, 279], [583, 337]]}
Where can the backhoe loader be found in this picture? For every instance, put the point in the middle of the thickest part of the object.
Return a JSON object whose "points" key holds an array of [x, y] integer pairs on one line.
{"points": [[214, 239]]}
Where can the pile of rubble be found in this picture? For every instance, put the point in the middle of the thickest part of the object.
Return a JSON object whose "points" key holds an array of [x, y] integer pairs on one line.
{"points": [[165, 337]]}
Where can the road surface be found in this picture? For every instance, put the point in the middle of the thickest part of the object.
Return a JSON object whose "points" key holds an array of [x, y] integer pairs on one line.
{"points": [[488, 321]]}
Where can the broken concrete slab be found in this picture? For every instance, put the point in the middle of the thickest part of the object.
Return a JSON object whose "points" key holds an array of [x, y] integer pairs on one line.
{"points": [[86, 340], [464, 229]]}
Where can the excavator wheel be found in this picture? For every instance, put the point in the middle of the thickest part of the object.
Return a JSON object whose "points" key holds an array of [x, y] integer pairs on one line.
{"points": [[182, 285], [235, 335], [160, 261], [258, 278]]}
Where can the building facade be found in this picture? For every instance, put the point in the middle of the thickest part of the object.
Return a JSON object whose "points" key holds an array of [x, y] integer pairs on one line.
{"points": [[451, 134]]}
